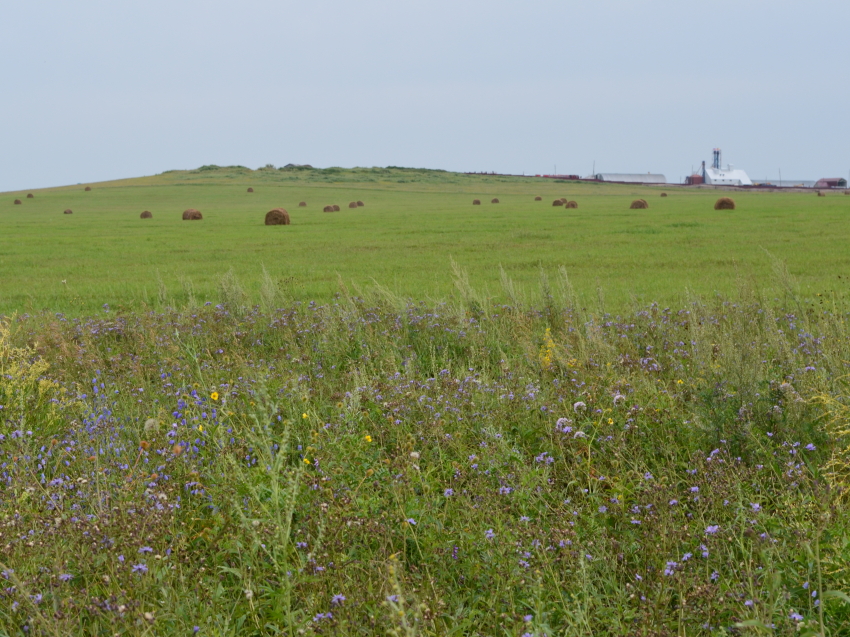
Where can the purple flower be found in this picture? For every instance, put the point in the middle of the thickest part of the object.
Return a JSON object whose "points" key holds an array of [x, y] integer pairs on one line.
{"points": [[670, 568], [635, 521], [603, 509], [712, 529], [527, 618], [673, 502], [525, 518], [66, 577], [146, 549], [449, 493], [321, 616], [694, 489], [756, 506], [810, 447], [748, 603], [140, 568], [579, 406], [715, 576], [337, 600], [647, 476], [489, 534], [795, 616], [411, 521], [392, 598]]}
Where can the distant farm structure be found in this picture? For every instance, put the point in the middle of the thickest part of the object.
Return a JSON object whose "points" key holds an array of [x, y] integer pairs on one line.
{"points": [[631, 178]]}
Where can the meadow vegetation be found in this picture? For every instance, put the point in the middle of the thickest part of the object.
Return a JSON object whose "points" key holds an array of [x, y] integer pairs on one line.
{"points": [[512, 458], [413, 224]]}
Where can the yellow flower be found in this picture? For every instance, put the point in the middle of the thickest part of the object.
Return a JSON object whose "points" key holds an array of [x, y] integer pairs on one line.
{"points": [[610, 421], [214, 395], [304, 415], [200, 427], [306, 460], [679, 382], [367, 438]]}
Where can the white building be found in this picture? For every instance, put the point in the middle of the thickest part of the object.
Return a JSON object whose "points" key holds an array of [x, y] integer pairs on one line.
{"points": [[729, 176], [631, 178]]}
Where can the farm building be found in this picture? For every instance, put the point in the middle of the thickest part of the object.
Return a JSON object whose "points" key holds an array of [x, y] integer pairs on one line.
{"points": [[831, 182], [729, 176], [648, 178]]}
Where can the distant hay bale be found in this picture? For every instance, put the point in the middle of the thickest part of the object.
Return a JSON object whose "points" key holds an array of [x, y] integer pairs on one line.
{"points": [[558, 202], [571, 204], [476, 202], [639, 204], [538, 199], [564, 200], [30, 196], [302, 204], [360, 204], [146, 215], [821, 193], [663, 194], [336, 208], [69, 211], [724, 203], [328, 209], [277, 217], [88, 188], [250, 190], [352, 204], [494, 200], [17, 202], [192, 215]]}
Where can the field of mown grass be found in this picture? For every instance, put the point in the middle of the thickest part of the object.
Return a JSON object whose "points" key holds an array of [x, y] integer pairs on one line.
{"points": [[360, 425], [405, 238]]}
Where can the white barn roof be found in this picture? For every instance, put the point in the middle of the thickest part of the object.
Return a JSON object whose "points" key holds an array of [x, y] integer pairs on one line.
{"points": [[632, 178], [729, 176]]}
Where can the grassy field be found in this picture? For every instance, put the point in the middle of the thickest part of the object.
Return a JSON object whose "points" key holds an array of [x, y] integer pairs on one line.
{"points": [[405, 238], [360, 424]]}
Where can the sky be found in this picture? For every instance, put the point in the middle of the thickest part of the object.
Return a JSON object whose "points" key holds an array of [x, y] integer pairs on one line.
{"points": [[94, 90]]}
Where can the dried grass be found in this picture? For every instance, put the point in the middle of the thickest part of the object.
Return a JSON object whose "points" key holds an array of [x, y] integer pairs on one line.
{"points": [[191, 214], [724, 203], [277, 217], [146, 215], [639, 204]]}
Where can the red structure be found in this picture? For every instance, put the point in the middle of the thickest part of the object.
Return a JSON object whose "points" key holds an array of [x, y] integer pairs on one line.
{"points": [[831, 182]]}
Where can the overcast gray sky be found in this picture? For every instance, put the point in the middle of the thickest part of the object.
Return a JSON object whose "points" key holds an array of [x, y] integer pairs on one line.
{"points": [[97, 89]]}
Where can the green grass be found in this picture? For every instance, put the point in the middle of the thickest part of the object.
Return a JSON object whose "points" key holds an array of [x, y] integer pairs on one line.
{"points": [[414, 224]]}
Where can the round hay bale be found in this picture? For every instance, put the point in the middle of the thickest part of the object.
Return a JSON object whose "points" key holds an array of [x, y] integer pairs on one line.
{"points": [[277, 217], [352, 204], [494, 200], [328, 209], [724, 203], [564, 200], [146, 214], [30, 196], [250, 190], [336, 208], [88, 188], [17, 202], [538, 199], [639, 204], [476, 202], [302, 204], [821, 193], [360, 204], [846, 192], [69, 211], [192, 215], [663, 194], [558, 202], [571, 204]]}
